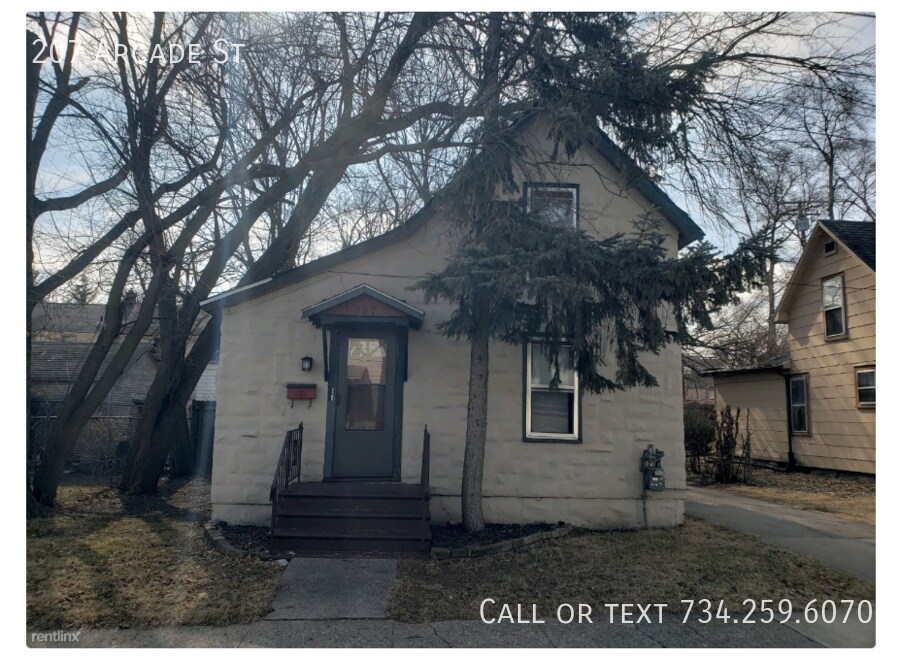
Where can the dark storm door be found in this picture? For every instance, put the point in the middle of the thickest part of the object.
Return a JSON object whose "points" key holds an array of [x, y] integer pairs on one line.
{"points": [[364, 402]]}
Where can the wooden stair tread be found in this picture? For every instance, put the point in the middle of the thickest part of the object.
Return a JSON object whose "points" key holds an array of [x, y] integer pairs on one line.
{"points": [[332, 513], [338, 533], [355, 490]]}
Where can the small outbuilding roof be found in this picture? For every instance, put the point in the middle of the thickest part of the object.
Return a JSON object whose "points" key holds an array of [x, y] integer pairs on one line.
{"points": [[780, 363]]}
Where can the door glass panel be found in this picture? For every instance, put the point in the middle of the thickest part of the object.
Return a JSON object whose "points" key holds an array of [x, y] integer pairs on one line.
{"points": [[366, 379]]}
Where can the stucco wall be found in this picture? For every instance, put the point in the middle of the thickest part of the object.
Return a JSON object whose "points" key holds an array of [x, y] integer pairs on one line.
{"points": [[595, 483], [841, 436], [762, 397]]}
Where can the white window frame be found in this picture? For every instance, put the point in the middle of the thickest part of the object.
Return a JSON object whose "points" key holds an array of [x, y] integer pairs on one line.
{"points": [[859, 402], [805, 405], [573, 189], [843, 307], [575, 389]]}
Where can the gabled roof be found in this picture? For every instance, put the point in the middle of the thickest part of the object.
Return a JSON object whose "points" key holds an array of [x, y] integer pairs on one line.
{"points": [[688, 230], [67, 318], [62, 362], [393, 306], [857, 237]]}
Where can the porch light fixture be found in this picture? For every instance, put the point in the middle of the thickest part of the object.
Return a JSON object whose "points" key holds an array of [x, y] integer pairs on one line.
{"points": [[306, 363]]}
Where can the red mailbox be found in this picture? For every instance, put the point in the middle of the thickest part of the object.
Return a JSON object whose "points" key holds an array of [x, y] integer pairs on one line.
{"points": [[301, 391]]}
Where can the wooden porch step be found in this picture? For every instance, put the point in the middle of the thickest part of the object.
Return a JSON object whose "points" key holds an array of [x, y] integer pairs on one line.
{"points": [[352, 526], [392, 508], [344, 545], [336, 532], [346, 489], [348, 516]]}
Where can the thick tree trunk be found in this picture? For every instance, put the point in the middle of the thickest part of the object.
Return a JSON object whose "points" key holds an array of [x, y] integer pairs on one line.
{"points": [[163, 419], [176, 378], [33, 78], [476, 434]]}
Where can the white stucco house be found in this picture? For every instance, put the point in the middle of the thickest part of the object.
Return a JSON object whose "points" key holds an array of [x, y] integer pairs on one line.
{"points": [[379, 372]]}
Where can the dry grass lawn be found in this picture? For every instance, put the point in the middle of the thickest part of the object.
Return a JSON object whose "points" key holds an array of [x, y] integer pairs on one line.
{"points": [[97, 564], [848, 497], [698, 560]]}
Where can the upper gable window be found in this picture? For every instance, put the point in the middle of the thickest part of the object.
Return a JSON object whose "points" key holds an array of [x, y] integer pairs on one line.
{"points": [[830, 248], [833, 304], [555, 204]]}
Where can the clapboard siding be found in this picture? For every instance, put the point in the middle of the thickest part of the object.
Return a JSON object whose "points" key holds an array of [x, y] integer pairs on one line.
{"points": [[841, 436], [761, 395]]}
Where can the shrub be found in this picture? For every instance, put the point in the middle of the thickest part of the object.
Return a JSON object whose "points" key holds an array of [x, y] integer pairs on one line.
{"points": [[699, 432]]}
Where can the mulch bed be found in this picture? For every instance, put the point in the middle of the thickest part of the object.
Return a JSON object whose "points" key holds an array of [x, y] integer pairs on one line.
{"points": [[455, 535], [253, 538]]}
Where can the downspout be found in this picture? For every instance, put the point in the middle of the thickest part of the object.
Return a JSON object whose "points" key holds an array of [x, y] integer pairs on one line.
{"points": [[790, 431]]}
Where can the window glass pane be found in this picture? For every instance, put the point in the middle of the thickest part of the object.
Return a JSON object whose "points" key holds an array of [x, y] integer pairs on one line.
{"points": [[834, 322], [867, 395], [798, 419], [542, 369], [365, 407], [552, 412], [366, 377], [366, 360], [798, 391], [833, 292], [865, 378], [554, 205]]}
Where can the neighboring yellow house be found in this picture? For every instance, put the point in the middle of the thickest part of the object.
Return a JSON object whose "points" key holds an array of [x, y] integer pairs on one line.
{"points": [[817, 408], [343, 345]]}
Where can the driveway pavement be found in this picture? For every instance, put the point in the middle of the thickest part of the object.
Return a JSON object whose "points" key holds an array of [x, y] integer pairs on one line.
{"points": [[839, 543]]}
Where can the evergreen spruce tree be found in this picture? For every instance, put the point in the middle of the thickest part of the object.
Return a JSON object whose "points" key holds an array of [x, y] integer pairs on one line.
{"points": [[613, 300]]}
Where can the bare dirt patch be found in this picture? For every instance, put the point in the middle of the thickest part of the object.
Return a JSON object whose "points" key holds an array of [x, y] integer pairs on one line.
{"points": [[695, 561]]}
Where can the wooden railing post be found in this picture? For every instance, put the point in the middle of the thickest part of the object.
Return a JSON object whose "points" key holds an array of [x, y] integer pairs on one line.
{"points": [[426, 459]]}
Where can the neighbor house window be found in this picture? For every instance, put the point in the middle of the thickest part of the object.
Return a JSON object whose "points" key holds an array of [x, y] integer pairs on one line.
{"points": [[551, 412], [555, 204], [799, 405], [833, 303], [865, 387]]}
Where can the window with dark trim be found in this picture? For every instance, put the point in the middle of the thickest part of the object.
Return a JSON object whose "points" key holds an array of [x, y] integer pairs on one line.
{"points": [[551, 408], [799, 404], [555, 204], [833, 305], [865, 387]]}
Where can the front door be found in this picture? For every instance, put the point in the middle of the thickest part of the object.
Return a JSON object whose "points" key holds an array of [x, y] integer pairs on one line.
{"points": [[363, 405]]}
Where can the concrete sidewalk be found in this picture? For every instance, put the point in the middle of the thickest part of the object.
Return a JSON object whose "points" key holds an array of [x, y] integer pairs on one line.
{"points": [[672, 632], [839, 543], [334, 588]]}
